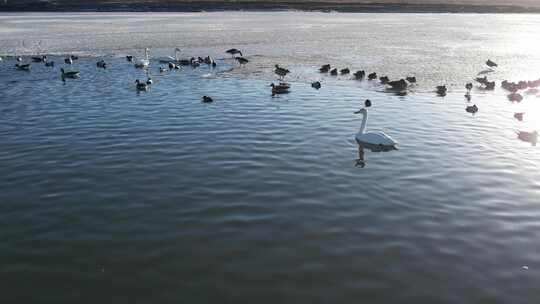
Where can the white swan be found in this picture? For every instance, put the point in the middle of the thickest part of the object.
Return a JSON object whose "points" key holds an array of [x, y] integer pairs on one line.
{"points": [[168, 59], [143, 63], [377, 138]]}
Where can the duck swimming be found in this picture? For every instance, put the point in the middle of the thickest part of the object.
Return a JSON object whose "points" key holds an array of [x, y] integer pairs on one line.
{"points": [[345, 71], [333, 72], [101, 64], [515, 97], [359, 75], [39, 59], [49, 63], [184, 62], [384, 79], [325, 68], [207, 99], [441, 90], [482, 80], [372, 76], [471, 109], [399, 85], [367, 103], [141, 86], [282, 88], [23, 67], [70, 74], [531, 137], [194, 63], [316, 85], [210, 61], [490, 85], [510, 86], [411, 79]]}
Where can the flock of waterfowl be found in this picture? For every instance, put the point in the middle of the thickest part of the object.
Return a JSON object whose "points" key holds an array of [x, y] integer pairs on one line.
{"points": [[399, 87], [171, 63], [529, 87]]}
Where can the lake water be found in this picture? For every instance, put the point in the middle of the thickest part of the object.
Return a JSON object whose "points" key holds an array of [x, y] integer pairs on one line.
{"points": [[110, 195]]}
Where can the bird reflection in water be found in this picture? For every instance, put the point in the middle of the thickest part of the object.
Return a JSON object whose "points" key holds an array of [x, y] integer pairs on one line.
{"points": [[361, 160], [530, 137]]}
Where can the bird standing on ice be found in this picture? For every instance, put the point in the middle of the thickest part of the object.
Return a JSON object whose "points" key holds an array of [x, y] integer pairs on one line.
{"points": [[241, 60], [490, 63], [233, 52], [281, 72]]}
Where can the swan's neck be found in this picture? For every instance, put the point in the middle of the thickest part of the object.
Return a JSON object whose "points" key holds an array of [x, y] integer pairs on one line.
{"points": [[364, 123]]}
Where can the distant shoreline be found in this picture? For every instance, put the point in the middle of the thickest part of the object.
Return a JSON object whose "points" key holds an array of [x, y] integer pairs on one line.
{"points": [[212, 6]]}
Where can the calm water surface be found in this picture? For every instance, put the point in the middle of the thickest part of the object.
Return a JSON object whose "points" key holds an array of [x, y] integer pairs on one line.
{"points": [[111, 195]]}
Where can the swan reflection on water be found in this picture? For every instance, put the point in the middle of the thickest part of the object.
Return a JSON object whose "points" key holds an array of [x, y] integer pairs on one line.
{"points": [[361, 160]]}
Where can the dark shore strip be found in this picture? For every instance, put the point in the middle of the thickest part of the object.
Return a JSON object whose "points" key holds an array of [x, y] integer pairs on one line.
{"points": [[199, 6]]}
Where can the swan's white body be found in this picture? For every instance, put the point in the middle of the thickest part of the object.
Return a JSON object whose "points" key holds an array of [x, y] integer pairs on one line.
{"points": [[143, 63], [168, 59], [377, 138]]}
